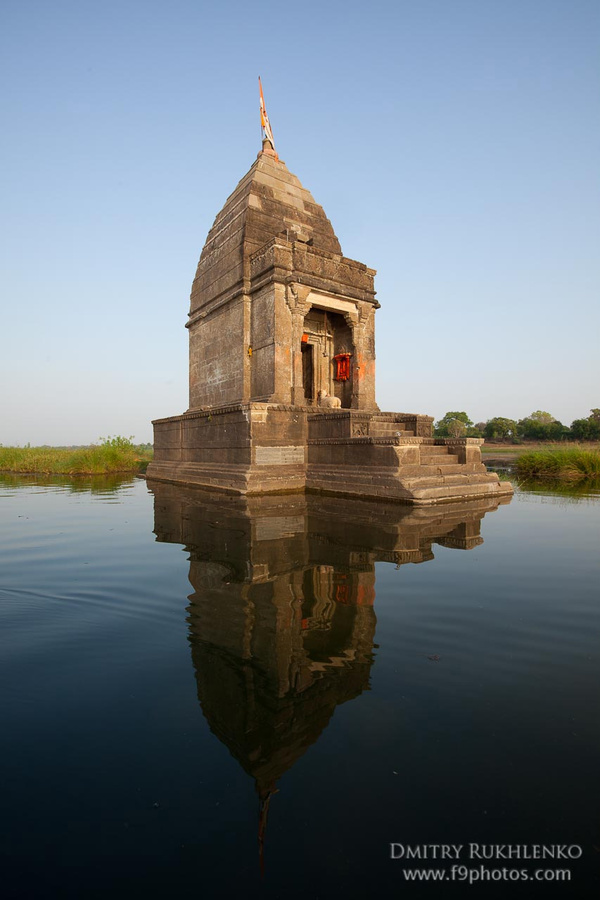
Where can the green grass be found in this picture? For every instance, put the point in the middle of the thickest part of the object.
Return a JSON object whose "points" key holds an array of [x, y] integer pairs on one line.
{"points": [[495, 449], [561, 463], [491, 450], [112, 455]]}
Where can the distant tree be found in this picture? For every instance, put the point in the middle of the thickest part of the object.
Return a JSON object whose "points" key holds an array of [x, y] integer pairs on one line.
{"points": [[595, 415], [558, 431], [500, 428], [454, 424], [586, 429], [475, 431], [544, 418], [542, 426]]}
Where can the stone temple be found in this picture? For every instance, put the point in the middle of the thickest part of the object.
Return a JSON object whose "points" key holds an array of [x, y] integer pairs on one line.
{"points": [[282, 367]]}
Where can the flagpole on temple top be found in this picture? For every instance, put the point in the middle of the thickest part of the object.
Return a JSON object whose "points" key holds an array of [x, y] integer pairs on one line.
{"points": [[266, 130]]}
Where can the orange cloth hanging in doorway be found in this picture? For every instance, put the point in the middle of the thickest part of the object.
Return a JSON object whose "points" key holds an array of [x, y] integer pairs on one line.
{"points": [[342, 366]]}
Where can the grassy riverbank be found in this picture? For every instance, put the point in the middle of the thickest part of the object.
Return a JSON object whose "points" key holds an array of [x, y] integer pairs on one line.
{"points": [[490, 448], [112, 455], [563, 463]]}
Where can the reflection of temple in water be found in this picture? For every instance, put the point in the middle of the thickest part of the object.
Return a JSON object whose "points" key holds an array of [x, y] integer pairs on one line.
{"points": [[281, 619]]}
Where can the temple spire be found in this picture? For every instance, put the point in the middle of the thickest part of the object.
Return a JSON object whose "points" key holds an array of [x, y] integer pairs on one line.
{"points": [[267, 132]]}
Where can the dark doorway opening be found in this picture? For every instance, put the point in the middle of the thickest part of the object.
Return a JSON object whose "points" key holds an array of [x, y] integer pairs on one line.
{"points": [[308, 371]]}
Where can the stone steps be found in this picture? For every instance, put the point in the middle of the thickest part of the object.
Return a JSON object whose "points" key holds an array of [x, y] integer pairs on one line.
{"points": [[438, 471], [429, 459], [385, 428], [435, 449], [421, 494], [409, 484], [426, 479]]}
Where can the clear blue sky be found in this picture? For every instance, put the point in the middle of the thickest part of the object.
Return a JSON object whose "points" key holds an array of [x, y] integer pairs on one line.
{"points": [[454, 145]]}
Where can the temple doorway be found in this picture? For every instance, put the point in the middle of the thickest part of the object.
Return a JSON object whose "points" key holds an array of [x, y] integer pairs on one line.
{"points": [[327, 337], [308, 371]]}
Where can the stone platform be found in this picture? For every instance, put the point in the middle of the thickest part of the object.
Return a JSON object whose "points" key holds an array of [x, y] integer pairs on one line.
{"points": [[265, 448]]}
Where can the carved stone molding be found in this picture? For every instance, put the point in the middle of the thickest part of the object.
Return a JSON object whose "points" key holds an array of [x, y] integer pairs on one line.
{"points": [[296, 298]]}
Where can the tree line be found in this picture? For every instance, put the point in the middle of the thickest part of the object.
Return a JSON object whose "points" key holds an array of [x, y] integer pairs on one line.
{"points": [[538, 426]]}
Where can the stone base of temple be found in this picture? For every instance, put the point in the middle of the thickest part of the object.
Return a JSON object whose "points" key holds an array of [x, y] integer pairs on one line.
{"points": [[262, 448]]}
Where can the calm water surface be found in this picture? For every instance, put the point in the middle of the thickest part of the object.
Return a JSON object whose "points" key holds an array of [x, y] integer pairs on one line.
{"points": [[203, 697]]}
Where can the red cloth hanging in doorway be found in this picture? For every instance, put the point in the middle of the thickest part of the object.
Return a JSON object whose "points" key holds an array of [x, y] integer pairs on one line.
{"points": [[342, 366]]}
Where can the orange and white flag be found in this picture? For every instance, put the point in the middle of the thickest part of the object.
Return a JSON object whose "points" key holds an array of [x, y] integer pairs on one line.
{"points": [[264, 119]]}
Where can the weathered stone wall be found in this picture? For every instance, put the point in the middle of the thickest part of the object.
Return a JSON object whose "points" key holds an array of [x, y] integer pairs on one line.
{"points": [[326, 270], [283, 330], [167, 440], [222, 437], [217, 351], [283, 432], [267, 202], [262, 340], [363, 369]]}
